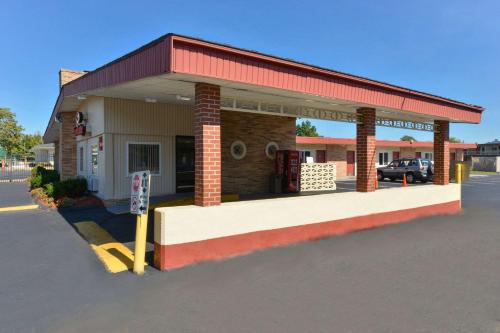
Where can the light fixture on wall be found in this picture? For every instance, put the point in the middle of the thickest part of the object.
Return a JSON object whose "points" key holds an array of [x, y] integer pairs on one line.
{"points": [[81, 97], [150, 100], [183, 98]]}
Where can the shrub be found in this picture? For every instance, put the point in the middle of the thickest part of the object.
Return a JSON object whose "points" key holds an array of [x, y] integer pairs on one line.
{"points": [[72, 188], [49, 176], [38, 170], [35, 181], [52, 189]]}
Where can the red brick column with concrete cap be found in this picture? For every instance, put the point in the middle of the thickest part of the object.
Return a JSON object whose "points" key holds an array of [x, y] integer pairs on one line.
{"points": [[365, 151], [207, 145], [442, 153], [67, 146]]}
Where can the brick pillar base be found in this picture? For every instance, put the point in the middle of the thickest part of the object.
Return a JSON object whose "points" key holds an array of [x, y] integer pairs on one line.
{"points": [[207, 145], [442, 153], [365, 151], [67, 146]]}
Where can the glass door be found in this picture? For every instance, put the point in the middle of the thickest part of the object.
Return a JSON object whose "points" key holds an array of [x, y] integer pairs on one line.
{"points": [[184, 164]]}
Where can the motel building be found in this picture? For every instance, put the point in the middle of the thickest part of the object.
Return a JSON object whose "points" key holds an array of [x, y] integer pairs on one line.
{"points": [[342, 152], [213, 119]]}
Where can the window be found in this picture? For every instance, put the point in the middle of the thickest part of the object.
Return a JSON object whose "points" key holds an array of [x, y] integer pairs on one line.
{"points": [[304, 154], [238, 150], [428, 156], [81, 159], [383, 158], [271, 149], [144, 156]]}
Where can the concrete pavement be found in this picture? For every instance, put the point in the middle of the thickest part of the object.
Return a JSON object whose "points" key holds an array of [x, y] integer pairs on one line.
{"points": [[437, 274]]}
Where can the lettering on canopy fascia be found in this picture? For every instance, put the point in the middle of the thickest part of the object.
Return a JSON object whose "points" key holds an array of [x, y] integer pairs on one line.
{"points": [[232, 104], [405, 124]]}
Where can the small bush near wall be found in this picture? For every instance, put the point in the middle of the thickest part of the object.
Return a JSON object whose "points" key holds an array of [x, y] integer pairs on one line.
{"points": [[41, 176], [71, 188]]}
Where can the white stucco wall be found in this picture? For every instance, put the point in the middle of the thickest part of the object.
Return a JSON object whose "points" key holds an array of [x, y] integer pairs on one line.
{"points": [[177, 225]]}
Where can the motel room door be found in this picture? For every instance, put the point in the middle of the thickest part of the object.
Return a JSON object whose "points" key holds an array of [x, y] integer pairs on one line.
{"points": [[351, 157], [184, 164], [395, 155]]}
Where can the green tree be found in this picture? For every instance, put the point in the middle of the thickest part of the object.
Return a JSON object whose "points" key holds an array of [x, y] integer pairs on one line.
{"points": [[407, 138], [306, 129], [455, 140], [28, 141], [10, 131]]}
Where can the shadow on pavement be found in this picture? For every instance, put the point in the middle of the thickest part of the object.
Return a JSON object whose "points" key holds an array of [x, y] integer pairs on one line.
{"points": [[120, 226]]}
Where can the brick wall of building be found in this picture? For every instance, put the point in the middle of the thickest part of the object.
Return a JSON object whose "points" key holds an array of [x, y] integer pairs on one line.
{"points": [[67, 75], [407, 152], [252, 173], [337, 154], [67, 146]]}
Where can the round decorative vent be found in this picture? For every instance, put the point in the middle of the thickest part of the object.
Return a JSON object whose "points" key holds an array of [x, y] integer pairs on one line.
{"points": [[271, 149], [238, 150]]}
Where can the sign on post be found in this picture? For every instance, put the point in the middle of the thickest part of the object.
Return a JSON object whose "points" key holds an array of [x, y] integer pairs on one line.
{"points": [[139, 193]]}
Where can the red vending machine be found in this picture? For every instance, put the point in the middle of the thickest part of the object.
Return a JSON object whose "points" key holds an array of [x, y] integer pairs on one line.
{"points": [[288, 169]]}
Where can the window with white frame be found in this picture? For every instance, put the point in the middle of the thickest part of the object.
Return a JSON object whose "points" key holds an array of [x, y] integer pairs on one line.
{"points": [[383, 158], [428, 156], [144, 156]]}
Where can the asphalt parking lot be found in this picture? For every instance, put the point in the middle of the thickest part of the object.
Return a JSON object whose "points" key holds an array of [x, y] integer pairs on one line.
{"points": [[438, 274]]}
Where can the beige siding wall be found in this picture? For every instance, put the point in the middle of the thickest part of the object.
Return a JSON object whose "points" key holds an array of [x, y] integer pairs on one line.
{"points": [[136, 121], [136, 117], [160, 184]]}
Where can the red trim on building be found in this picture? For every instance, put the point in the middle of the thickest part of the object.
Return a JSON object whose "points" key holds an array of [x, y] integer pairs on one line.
{"points": [[174, 53], [179, 255], [379, 143]]}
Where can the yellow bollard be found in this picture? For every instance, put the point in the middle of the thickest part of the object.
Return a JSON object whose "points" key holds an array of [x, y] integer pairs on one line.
{"points": [[458, 173], [141, 232]]}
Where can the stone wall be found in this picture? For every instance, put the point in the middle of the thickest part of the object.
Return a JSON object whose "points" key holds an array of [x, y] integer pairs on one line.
{"points": [[252, 173]]}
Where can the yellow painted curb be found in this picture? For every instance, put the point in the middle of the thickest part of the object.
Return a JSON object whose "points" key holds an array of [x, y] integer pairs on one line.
{"points": [[115, 256], [17, 208]]}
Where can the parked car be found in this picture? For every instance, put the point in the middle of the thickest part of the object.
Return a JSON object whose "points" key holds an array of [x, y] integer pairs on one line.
{"points": [[414, 168]]}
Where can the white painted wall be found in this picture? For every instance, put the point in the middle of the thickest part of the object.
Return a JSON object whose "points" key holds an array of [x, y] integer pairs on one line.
{"points": [[177, 225]]}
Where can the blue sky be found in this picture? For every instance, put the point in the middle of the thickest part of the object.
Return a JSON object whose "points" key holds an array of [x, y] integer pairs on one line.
{"points": [[449, 48]]}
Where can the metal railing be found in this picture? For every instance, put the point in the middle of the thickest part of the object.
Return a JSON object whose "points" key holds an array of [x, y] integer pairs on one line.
{"points": [[17, 169]]}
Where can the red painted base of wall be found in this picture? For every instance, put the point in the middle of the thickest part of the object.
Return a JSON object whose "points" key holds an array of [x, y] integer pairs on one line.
{"points": [[179, 255]]}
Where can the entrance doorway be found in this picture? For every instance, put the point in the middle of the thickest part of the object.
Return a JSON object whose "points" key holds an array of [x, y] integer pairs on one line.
{"points": [[351, 157], [184, 164]]}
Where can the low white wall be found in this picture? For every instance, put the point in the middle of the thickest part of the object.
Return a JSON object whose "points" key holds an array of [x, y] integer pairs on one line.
{"points": [[176, 225]]}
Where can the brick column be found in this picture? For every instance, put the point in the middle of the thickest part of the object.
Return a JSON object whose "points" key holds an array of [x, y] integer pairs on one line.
{"points": [[207, 145], [56, 156], [442, 153], [365, 151], [67, 146]]}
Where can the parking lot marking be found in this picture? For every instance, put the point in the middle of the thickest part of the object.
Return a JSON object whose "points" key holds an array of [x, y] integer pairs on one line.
{"points": [[17, 208], [115, 256]]}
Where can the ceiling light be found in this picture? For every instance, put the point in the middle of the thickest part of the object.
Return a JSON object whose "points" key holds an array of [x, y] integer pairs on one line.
{"points": [[183, 98], [150, 100], [81, 97]]}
